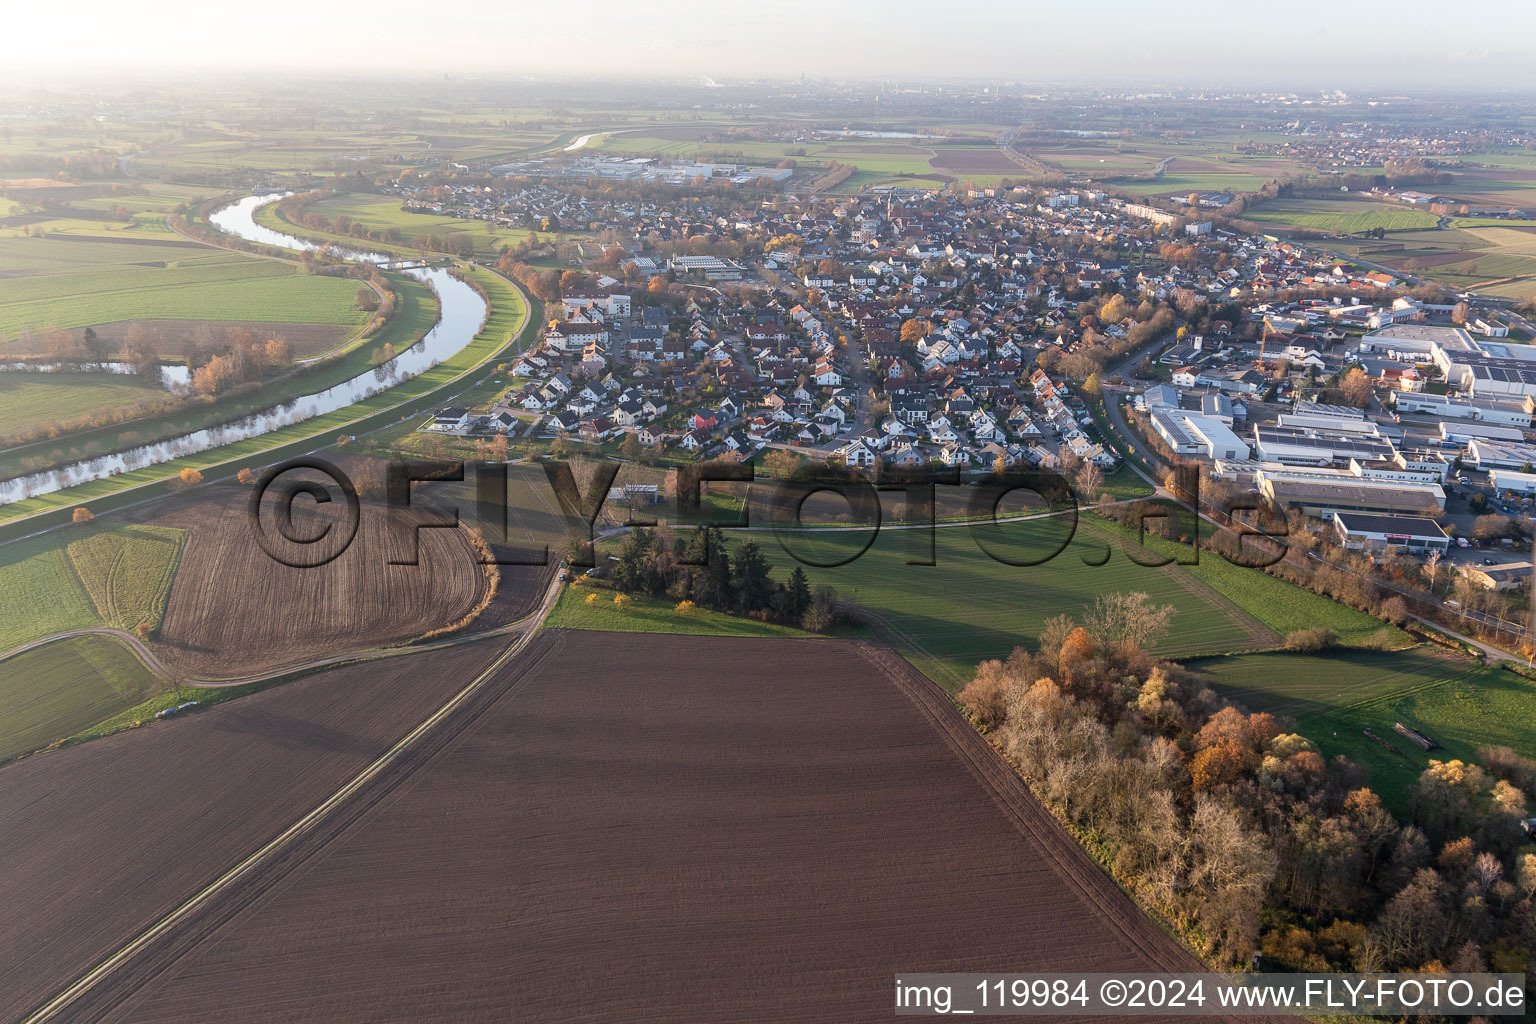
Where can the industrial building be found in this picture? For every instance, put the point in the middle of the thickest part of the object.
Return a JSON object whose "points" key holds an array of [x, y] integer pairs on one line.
{"points": [[1362, 531], [1462, 433], [1322, 497], [1505, 411], [1295, 446], [1513, 481], [1489, 454], [1190, 434]]}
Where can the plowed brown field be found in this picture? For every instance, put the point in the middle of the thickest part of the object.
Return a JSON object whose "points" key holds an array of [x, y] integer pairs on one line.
{"points": [[235, 611], [628, 827], [101, 840]]}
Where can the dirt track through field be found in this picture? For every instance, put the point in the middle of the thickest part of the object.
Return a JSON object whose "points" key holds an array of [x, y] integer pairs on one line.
{"points": [[100, 840], [623, 827]]}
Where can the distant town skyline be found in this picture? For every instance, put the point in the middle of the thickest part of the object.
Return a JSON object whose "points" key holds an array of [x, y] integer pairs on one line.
{"points": [[1307, 44]]}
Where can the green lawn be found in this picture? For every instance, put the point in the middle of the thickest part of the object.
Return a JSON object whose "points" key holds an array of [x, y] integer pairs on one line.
{"points": [[1332, 696], [54, 283], [30, 399], [85, 575], [648, 615], [53, 692], [969, 606], [1341, 216], [1278, 604]]}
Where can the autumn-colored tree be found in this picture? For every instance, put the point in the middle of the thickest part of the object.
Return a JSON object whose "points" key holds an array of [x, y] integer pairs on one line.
{"points": [[983, 695], [1217, 765], [190, 476], [1076, 649], [246, 476], [143, 630], [277, 350], [622, 601], [217, 375], [82, 515], [685, 607], [780, 463], [914, 330]]}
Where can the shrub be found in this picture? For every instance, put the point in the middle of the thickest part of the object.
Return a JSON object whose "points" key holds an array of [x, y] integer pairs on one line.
{"points": [[190, 476], [685, 607], [246, 476], [592, 598], [622, 601], [1315, 639], [81, 515]]}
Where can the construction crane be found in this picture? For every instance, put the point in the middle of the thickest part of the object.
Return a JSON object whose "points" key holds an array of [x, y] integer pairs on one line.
{"points": [[1263, 340]]}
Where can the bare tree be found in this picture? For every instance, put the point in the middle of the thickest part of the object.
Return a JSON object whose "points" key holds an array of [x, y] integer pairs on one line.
{"points": [[1127, 622]]}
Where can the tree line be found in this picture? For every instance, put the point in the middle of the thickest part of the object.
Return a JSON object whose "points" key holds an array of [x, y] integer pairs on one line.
{"points": [[698, 567], [1241, 833]]}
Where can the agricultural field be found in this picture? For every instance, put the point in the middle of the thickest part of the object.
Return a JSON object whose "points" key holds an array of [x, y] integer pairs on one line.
{"points": [[1334, 695], [1494, 258], [52, 692], [415, 312], [968, 162], [28, 400], [379, 214], [510, 328], [84, 576], [103, 839], [1340, 216], [280, 615], [725, 806], [907, 163], [1164, 166], [117, 211], [337, 151], [55, 282], [1495, 179]]}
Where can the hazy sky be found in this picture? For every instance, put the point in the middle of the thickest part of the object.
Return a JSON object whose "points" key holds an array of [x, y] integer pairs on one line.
{"points": [[1301, 43]]}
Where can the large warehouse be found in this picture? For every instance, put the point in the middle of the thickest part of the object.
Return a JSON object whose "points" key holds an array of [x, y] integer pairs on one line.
{"points": [[1371, 532], [1323, 497], [1188, 434]]}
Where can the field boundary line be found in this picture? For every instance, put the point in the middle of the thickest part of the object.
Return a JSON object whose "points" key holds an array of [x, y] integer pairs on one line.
{"points": [[83, 985]]}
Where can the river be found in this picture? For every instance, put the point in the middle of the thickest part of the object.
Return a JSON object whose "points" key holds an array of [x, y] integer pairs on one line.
{"points": [[462, 312]]}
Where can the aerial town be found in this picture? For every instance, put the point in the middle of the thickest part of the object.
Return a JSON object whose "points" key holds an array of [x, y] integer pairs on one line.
{"points": [[588, 520]]}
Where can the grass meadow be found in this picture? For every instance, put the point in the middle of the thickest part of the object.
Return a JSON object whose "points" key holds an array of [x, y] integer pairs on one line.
{"points": [[29, 399], [83, 576], [50, 282], [1332, 696], [1341, 216], [53, 692], [650, 615]]}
